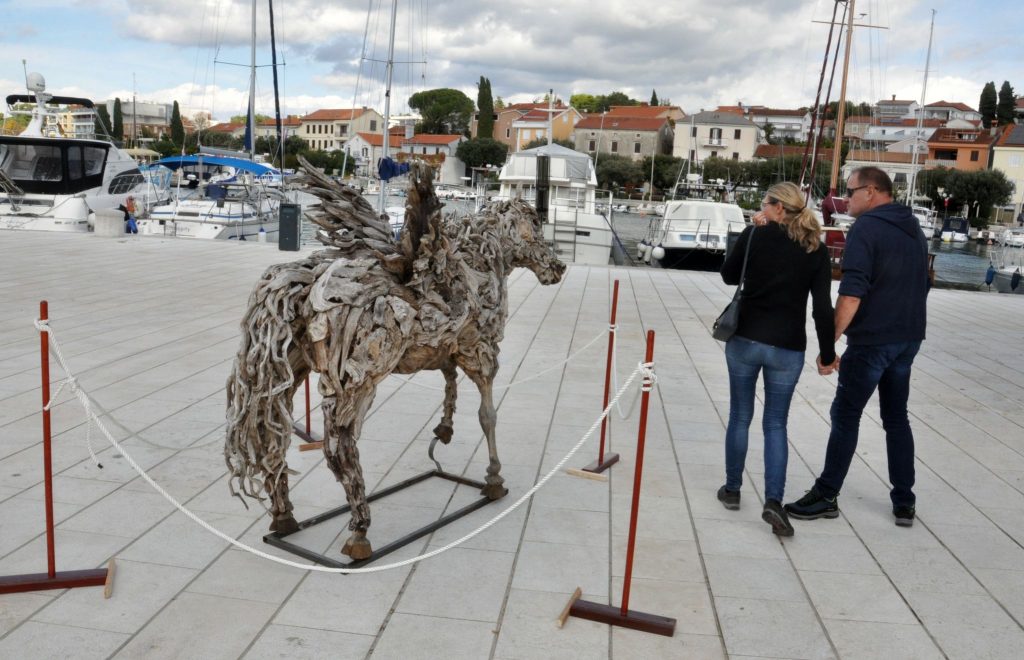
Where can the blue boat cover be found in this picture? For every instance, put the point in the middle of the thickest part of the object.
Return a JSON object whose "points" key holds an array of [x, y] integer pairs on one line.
{"points": [[259, 169], [389, 169]]}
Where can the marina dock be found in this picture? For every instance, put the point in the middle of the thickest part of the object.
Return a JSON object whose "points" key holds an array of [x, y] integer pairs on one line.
{"points": [[150, 327]]}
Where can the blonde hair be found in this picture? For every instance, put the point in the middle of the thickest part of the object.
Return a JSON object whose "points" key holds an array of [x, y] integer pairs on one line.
{"points": [[800, 223]]}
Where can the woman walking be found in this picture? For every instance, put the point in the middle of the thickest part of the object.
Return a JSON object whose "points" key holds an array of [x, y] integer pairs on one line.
{"points": [[786, 262]]}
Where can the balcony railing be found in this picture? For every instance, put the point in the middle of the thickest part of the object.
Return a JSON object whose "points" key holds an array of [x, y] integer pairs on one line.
{"points": [[715, 142], [938, 162]]}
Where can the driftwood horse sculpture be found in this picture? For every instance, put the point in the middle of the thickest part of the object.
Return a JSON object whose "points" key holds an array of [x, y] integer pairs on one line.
{"points": [[367, 307]]}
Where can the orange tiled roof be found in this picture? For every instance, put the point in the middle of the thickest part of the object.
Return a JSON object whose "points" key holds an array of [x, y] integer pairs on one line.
{"points": [[225, 127], [425, 138], [872, 156], [328, 114], [373, 139], [981, 138], [623, 123], [761, 110], [1012, 136], [285, 121], [951, 104], [642, 110]]}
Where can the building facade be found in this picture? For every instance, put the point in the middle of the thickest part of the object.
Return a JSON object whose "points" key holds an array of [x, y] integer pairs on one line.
{"points": [[633, 137], [716, 134], [330, 129]]}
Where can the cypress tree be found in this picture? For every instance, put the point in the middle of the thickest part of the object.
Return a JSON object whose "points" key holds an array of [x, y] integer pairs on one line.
{"points": [[118, 132], [654, 97], [102, 120], [177, 128], [1005, 107], [987, 104], [485, 105]]}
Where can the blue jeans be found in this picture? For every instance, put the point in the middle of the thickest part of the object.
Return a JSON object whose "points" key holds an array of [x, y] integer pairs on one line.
{"points": [[863, 368], [781, 366]]}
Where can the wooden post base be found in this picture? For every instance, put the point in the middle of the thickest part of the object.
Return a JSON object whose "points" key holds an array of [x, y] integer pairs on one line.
{"points": [[12, 584], [601, 466], [612, 615]]}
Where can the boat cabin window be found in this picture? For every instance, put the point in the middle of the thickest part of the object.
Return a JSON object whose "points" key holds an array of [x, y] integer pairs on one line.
{"points": [[49, 168], [125, 181]]}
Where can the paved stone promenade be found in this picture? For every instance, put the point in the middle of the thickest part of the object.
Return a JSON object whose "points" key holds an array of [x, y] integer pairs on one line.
{"points": [[150, 328]]}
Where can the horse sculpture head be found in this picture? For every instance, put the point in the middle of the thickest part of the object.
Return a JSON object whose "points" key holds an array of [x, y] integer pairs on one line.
{"points": [[528, 248]]}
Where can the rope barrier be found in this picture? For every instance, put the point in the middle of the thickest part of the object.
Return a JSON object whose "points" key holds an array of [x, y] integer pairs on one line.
{"points": [[520, 382], [646, 369]]}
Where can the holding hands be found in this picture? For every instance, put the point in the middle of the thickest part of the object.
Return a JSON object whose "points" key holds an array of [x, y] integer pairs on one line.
{"points": [[826, 370]]}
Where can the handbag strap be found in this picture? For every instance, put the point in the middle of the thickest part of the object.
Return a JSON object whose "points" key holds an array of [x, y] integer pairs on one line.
{"points": [[743, 271]]}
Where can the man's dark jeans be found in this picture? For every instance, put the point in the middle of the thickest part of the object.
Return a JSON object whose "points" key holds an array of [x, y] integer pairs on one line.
{"points": [[863, 368]]}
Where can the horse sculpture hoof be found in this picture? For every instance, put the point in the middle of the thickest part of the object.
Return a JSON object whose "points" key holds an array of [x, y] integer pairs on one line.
{"points": [[494, 491], [444, 432], [284, 525], [357, 547]]}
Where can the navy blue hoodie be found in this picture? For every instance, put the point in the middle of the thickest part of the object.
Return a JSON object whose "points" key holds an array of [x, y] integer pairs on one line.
{"points": [[885, 264]]}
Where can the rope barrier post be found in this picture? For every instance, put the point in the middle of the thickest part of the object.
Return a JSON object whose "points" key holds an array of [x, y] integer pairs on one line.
{"points": [[623, 616], [52, 579], [604, 462]]}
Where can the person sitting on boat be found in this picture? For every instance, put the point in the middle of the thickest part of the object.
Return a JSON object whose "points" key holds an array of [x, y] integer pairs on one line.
{"points": [[130, 226], [787, 261]]}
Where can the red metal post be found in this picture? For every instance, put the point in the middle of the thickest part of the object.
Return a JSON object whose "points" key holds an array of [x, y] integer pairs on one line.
{"points": [[308, 422], [10, 584], [602, 463], [637, 474], [44, 354]]}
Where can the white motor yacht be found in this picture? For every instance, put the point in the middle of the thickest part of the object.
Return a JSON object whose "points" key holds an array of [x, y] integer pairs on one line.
{"points": [[694, 233], [56, 174], [578, 232]]}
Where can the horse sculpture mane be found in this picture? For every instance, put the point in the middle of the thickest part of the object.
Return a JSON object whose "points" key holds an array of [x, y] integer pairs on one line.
{"points": [[368, 306]]}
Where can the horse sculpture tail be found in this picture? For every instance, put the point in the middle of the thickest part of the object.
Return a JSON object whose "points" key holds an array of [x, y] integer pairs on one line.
{"points": [[267, 370]]}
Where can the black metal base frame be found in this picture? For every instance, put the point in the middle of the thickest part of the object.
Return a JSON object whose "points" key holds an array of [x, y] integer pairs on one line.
{"points": [[279, 540], [300, 431]]}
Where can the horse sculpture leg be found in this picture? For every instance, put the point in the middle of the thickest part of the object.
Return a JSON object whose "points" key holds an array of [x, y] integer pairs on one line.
{"points": [[488, 419], [282, 520], [445, 429], [343, 459]]}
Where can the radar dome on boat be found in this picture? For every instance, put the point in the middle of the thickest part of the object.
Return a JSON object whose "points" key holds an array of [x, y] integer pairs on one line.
{"points": [[35, 82]]}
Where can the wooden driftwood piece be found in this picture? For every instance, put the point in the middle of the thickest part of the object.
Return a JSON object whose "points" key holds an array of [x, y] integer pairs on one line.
{"points": [[366, 307]]}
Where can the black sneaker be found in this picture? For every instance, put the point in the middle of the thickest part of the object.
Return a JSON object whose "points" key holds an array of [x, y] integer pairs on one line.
{"points": [[730, 499], [813, 505], [775, 516], [904, 515]]}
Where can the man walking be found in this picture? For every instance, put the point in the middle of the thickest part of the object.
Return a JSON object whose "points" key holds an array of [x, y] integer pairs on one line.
{"points": [[881, 309]]}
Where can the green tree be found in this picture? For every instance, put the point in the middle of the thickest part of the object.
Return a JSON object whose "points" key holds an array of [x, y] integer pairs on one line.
{"points": [[479, 152], [443, 111], [616, 98], [118, 127], [654, 97], [485, 108], [584, 102], [102, 120], [177, 128], [240, 119], [499, 104], [165, 148], [987, 104], [615, 171], [1006, 106], [540, 142], [979, 191]]}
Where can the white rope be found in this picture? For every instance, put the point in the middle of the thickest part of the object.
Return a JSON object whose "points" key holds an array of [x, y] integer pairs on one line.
{"points": [[643, 368], [615, 384], [521, 381]]}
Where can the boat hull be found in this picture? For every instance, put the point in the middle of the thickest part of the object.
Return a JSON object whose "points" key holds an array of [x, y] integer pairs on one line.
{"points": [[1004, 282]]}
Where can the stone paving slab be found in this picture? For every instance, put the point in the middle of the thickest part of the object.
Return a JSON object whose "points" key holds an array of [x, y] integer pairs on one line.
{"points": [[151, 326]]}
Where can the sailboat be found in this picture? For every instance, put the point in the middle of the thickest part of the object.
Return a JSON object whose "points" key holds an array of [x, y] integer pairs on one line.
{"points": [[222, 194]]}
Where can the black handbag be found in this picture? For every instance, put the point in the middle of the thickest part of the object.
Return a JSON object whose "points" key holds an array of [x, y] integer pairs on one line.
{"points": [[729, 320]]}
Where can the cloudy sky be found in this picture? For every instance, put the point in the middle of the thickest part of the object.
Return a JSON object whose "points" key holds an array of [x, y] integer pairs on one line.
{"points": [[698, 54]]}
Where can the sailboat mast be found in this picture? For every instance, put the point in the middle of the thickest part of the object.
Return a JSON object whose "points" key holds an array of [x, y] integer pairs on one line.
{"points": [[387, 97], [920, 116], [277, 98], [841, 114], [251, 118]]}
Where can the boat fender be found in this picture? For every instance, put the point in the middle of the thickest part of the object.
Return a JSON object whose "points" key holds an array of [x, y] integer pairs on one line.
{"points": [[1015, 280], [990, 274], [658, 253], [640, 247], [647, 253]]}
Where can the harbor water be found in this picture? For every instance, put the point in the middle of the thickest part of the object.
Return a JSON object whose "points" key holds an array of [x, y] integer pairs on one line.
{"points": [[957, 265]]}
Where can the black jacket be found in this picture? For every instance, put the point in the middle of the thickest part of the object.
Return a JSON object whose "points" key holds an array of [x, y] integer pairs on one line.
{"points": [[780, 275], [885, 264]]}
